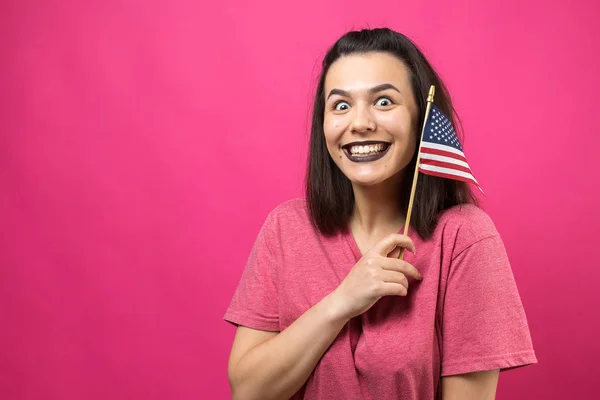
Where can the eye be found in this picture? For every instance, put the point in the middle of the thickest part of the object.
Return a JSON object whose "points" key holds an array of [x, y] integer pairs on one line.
{"points": [[384, 102], [341, 106]]}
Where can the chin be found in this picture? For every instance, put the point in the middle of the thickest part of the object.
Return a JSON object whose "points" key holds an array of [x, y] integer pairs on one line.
{"points": [[373, 179], [368, 181]]}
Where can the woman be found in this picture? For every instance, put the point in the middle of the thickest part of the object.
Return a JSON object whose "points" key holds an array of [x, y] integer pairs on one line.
{"points": [[325, 309]]}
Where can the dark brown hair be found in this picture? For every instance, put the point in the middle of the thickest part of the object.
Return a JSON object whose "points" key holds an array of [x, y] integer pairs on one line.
{"points": [[329, 195]]}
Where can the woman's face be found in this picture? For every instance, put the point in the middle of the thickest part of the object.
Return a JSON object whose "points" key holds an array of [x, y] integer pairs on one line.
{"points": [[370, 117]]}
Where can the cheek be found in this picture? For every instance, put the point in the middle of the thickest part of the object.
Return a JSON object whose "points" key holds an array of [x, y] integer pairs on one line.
{"points": [[333, 128], [398, 125]]}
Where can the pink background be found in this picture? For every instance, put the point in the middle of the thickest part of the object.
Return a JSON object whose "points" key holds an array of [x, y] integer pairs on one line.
{"points": [[143, 143]]}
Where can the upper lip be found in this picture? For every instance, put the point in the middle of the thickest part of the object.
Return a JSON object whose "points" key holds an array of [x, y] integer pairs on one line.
{"points": [[365, 143]]}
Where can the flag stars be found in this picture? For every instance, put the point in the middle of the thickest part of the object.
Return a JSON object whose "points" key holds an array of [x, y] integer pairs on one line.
{"points": [[441, 130]]}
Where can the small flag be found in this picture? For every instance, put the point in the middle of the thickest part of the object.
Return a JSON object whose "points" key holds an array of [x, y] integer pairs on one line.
{"points": [[441, 152]]}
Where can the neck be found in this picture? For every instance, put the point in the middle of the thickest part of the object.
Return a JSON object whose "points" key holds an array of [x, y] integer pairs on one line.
{"points": [[376, 207]]}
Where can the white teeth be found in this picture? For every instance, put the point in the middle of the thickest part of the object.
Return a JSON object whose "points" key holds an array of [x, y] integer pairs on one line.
{"points": [[366, 150]]}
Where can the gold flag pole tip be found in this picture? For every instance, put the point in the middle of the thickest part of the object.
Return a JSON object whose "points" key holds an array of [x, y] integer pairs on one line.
{"points": [[431, 94]]}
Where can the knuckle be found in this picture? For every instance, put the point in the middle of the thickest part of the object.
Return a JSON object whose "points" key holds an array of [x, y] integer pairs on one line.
{"points": [[392, 237], [404, 280], [402, 265], [372, 273], [377, 289]]}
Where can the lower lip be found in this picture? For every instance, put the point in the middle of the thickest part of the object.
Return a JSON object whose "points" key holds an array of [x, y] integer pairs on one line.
{"points": [[360, 159]]}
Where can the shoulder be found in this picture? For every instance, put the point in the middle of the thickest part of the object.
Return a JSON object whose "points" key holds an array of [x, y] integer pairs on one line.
{"points": [[289, 215], [465, 225], [285, 224], [290, 209]]}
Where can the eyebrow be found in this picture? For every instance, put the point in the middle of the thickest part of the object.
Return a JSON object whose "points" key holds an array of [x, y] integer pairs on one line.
{"points": [[374, 89]]}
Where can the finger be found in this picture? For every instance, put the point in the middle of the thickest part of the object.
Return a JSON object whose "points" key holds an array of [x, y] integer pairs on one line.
{"points": [[394, 264], [388, 243], [392, 289], [396, 252], [394, 277]]}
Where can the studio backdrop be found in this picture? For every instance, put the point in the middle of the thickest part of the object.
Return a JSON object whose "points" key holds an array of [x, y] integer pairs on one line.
{"points": [[143, 143]]}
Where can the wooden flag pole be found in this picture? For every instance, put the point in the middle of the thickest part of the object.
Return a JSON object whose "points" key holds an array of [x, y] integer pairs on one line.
{"points": [[416, 175]]}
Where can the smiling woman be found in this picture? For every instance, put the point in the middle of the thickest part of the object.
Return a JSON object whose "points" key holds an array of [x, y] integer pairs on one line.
{"points": [[366, 110], [367, 86], [325, 309]]}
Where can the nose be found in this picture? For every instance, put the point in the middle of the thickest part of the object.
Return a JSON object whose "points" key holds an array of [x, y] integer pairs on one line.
{"points": [[363, 120]]}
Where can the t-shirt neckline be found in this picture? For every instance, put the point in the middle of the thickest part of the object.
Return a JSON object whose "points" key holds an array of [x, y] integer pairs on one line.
{"points": [[349, 237]]}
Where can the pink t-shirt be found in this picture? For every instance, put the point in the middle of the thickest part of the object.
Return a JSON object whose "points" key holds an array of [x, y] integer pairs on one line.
{"points": [[465, 316]]}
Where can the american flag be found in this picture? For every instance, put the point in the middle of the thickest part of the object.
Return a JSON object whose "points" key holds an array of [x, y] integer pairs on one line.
{"points": [[441, 153]]}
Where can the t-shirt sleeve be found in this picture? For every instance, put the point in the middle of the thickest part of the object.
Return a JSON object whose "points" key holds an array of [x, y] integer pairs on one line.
{"points": [[254, 303], [484, 324]]}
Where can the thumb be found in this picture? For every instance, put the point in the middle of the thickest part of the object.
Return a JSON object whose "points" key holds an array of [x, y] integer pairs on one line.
{"points": [[390, 242]]}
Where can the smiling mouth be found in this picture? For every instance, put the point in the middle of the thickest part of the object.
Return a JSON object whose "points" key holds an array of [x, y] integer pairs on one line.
{"points": [[366, 151]]}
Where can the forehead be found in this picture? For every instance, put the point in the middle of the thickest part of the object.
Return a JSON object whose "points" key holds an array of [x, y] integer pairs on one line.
{"points": [[362, 71]]}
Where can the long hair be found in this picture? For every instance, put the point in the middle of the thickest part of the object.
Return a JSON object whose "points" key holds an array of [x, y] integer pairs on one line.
{"points": [[329, 195]]}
